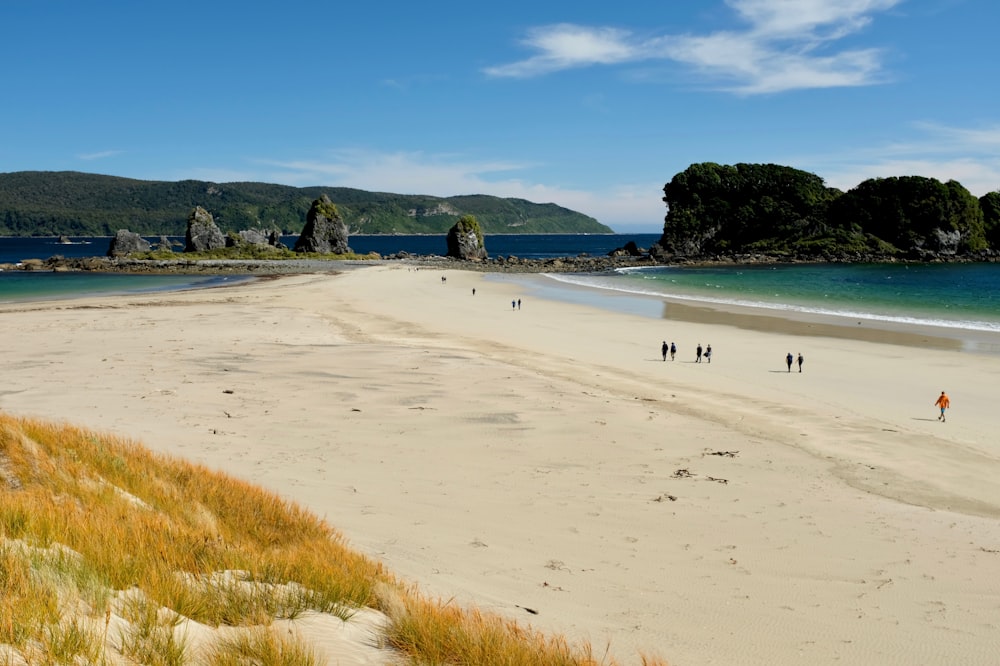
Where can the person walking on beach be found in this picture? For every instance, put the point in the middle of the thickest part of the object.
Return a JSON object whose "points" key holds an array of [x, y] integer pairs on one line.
{"points": [[708, 353], [665, 348], [673, 350], [788, 360], [513, 305], [519, 304], [801, 360], [944, 402], [698, 354]]}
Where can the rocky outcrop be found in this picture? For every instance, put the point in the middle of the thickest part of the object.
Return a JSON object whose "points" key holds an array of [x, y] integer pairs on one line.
{"points": [[630, 249], [465, 240], [247, 237], [324, 232], [126, 242], [202, 233]]}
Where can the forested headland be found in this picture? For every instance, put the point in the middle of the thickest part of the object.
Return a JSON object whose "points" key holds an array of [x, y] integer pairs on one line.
{"points": [[768, 209], [70, 203]]}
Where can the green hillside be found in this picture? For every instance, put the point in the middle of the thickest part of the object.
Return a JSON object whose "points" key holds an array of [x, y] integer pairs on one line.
{"points": [[53, 203]]}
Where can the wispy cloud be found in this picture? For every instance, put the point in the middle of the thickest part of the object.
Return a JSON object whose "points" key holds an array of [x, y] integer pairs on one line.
{"points": [[970, 156], [565, 46], [104, 154], [785, 45], [451, 174]]}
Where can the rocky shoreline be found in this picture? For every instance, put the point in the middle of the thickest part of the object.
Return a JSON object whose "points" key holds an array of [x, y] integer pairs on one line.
{"points": [[577, 264], [510, 264]]}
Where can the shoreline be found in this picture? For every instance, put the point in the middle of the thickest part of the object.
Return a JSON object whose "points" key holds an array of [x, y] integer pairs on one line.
{"points": [[546, 458], [691, 308], [771, 320]]}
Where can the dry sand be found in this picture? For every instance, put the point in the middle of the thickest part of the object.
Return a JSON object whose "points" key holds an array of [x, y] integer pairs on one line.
{"points": [[546, 464]]}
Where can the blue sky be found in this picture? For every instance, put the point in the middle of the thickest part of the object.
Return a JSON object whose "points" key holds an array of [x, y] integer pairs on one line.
{"points": [[593, 106]]}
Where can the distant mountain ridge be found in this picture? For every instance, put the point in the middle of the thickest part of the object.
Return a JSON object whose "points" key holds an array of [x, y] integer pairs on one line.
{"points": [[73, 203]]}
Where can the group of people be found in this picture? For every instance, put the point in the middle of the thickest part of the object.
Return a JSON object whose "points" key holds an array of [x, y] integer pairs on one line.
{"points": [[943, 402], [700, 352]]}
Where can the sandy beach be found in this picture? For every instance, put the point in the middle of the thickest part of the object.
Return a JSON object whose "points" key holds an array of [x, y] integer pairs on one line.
{"points": [[544, 463]]}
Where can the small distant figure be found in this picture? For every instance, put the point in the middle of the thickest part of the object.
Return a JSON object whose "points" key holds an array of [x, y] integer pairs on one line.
{"points": [[443, 279], [473, 291], [698, 353], [673, 350], [708, 353], [801, 360], [519, 304], [513, 305], [944, 402], [789, 360], [665, 348]]}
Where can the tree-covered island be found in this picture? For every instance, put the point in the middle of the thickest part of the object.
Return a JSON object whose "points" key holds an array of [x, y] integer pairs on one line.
{"points": [[766, 209]]}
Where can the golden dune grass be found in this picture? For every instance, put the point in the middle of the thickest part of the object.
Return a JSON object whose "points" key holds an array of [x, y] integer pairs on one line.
{"points": [[108, 551]]}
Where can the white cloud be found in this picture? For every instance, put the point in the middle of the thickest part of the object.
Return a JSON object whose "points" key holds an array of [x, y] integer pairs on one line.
{"points": [[98, 155], [450, 175], [967, 155], [786, 45], [802, 19], [564, 46]]}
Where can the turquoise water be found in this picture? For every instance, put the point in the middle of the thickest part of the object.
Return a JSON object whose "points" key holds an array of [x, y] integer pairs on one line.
{"points": [[20, 286], [963, 296]]}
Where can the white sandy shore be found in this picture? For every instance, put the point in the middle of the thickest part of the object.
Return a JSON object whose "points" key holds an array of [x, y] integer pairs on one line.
{"points": [[530, 461]]}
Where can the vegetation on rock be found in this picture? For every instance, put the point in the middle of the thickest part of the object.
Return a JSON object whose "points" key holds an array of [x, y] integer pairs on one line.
{"points": [[780, 211], [465, 239]]}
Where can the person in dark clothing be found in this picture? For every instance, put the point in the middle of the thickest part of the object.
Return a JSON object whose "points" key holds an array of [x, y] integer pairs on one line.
{"points": [[673, 350], [698, 354], [789, 359], [665, 348], [801, 360]]}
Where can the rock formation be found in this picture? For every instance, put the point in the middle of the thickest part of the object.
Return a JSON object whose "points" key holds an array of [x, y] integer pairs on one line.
{"points": [[465, 240], [126, 242], [202, 234], [325, 232], [247, 237]]}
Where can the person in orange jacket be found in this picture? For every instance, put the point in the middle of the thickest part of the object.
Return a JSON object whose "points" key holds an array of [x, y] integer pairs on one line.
{"points": [[944, 402]]}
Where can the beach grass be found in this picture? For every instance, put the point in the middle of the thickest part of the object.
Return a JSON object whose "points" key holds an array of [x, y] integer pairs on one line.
{"points": [[110, 552]]}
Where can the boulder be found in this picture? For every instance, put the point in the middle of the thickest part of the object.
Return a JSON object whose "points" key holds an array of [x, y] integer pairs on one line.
{"points": [[126, 242], [202, 234], [248, 237], [274, 239], [325, 232], [630, 249], [465, 240], [165, 244]]}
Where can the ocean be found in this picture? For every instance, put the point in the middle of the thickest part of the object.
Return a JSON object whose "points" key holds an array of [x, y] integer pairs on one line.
{"points": [[961, 297], [957, 296], [37, 285]]}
